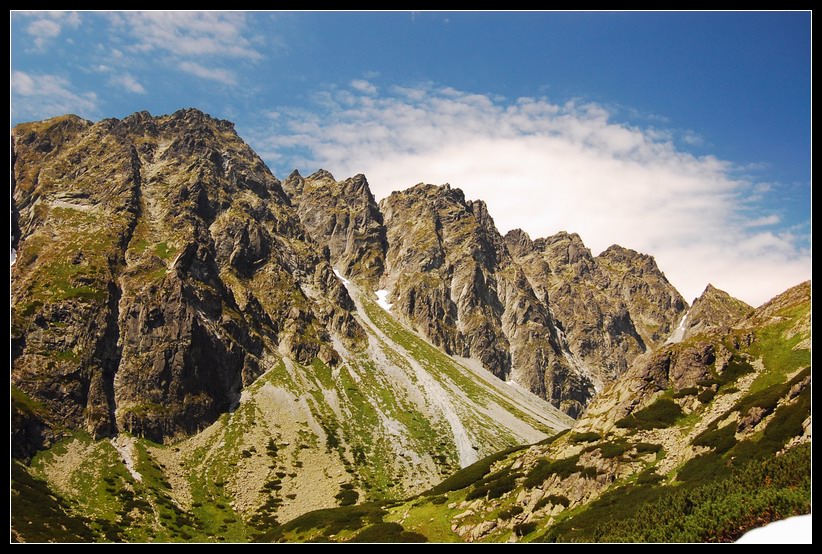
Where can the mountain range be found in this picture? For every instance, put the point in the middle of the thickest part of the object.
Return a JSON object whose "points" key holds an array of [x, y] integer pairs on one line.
{"points": [[201, 351]]}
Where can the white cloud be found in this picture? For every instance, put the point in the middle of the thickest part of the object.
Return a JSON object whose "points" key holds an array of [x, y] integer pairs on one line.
{"points": [[129, 83], [219, 34], [363, 86], [546, 167], [199, 43], [47, 25], [40, 96], [215, 74]]}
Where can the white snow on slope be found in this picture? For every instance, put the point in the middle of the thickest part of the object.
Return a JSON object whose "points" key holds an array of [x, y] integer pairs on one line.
{"points": [[679, 332], [794, 530], [341, 278], [382, 300]]}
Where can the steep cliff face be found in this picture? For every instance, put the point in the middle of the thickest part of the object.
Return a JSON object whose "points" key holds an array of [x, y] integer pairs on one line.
{"points": [[158, 262], [452, 278], [344, 216], [609, 308]]}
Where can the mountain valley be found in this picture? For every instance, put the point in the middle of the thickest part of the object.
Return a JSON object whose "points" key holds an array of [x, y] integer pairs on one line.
{"points": [[202, 352]]}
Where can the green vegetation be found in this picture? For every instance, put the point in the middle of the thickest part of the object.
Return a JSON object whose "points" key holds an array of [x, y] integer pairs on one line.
{"points": [[505, 515], [716, 511], [614, 448], [584, 437], [552, 500], [469, 475], [39, 515], [661, 414], [495, 485], [544, 468], [648, 448], [325, 523], [388, 532], [720, 440]]}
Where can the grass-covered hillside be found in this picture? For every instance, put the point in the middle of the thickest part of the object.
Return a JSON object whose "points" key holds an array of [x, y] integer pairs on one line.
{"points": [[387, 423], [719, 444]]}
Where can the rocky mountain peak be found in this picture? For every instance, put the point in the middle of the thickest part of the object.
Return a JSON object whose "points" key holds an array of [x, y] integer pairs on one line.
{"points": [[715, 309], [343, 216], [519, 243], [159, 262]]}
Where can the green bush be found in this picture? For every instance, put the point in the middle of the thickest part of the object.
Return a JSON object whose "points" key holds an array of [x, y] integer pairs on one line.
{"points": [[720, 440], [522, 529], [389, 532], [545, 468], [511, 512], [706, 396], [553, 500], [648, 447], [439, 500], [589, 473], [716, 511], [331, 521], [649, 477], [347, 497], [705, 467], [614, 448], [469, 475], [661, 414], [585, 437], [503, 481], [736, 368]]}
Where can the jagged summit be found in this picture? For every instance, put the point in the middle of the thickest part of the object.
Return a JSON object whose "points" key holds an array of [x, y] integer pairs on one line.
{"points": [[713, 309]]}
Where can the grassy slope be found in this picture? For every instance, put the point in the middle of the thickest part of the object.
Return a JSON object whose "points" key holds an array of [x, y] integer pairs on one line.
{"points": [[302, 438], [735, 484]]}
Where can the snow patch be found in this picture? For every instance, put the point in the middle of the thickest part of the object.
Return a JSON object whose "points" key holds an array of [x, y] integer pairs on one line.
{"points": [[679, 332], [382, 299], [794, 530], [13, 257], [345, 281]]}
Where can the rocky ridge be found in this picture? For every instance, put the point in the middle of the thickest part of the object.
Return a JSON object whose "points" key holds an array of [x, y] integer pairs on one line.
{"points": [[714, 309]]}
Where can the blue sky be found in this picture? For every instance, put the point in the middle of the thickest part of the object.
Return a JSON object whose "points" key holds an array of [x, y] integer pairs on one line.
{"points": [[683, 135]]}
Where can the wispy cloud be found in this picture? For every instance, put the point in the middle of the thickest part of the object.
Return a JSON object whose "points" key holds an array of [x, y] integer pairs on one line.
{"points": [[215, 74], [47, 25], [219, 34], [547, 167], [38, 96], [363, 86], [128, 83], [198, 43]]}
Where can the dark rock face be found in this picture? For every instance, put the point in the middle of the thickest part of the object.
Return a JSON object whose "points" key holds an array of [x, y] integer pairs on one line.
{"points": [[453, 279], [610, 308], [714, 310], [344, 216], [159, 263]]}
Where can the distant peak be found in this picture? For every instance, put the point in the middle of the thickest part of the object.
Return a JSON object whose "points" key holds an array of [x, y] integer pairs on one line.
{"points": [[321, 174]]}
